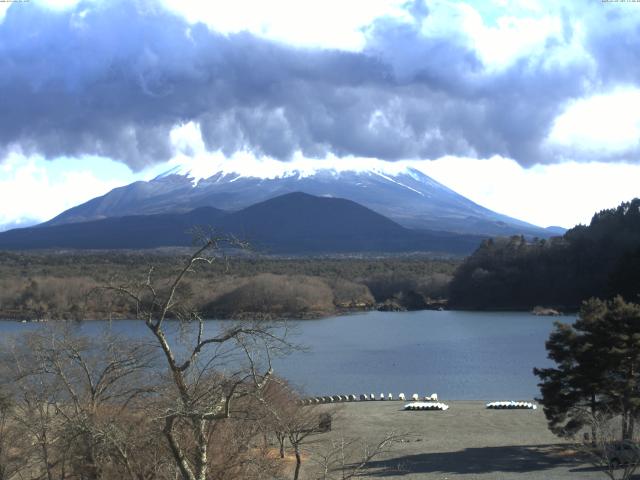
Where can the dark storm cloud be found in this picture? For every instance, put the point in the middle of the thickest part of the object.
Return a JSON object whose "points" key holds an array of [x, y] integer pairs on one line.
{"points": [[113, 79], [508, 113]]}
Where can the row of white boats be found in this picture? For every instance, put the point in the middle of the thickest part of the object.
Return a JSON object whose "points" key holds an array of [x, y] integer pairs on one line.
{"points": [[428, 402], [508, 405], [366, 397], [426, 406]]}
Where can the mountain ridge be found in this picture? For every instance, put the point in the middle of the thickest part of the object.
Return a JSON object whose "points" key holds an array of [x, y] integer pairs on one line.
{"points": [[408, 197], [292, 223]]}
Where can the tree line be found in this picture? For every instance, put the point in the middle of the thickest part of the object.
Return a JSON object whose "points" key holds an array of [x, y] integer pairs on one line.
{"points": [[599, 260], [51, 285]]}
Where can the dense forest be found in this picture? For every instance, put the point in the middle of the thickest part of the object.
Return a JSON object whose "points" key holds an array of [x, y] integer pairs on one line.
{"points": [[61, 285], [598, 260], [514, 273]]}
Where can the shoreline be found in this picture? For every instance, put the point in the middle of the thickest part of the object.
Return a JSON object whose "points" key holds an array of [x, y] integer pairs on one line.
{"points": [[303, 316]]}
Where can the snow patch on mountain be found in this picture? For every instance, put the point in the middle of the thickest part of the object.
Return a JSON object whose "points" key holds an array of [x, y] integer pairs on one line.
{"points": [[202, 168], [397, 182]]}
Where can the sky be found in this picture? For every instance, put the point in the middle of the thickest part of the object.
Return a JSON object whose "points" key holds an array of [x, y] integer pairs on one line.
{"points": [[528, 107]]}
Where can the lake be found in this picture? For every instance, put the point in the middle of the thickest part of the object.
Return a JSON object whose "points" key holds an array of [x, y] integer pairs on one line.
{"points": [[459, 355]]}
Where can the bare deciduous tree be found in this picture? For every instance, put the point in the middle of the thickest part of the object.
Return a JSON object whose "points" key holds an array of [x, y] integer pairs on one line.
{"points": [[342, 459], [11, 460], [289, 420], [207, 372], [617, 459], [74, 394], [184, 402]]}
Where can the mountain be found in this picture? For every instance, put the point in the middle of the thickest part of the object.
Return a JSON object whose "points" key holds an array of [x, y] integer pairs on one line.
{"points": [[409, 198], [135, 231], [301, 223], [555, 231], [293, 223]]}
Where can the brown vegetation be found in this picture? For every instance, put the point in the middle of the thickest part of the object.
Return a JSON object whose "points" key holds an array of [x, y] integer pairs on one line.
{"points": [[99, 408], [193, 406], [56, 285], [278, 295]]}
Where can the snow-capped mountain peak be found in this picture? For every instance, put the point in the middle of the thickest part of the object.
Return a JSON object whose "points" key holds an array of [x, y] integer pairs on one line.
{"points": [[299, 168], [397, 191]]}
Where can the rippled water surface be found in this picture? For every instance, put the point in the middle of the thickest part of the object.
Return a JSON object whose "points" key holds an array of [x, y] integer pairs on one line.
{"points": [[459, 355]]}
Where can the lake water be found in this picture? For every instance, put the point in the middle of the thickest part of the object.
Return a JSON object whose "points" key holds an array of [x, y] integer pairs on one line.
{"points": [[459, 355]]}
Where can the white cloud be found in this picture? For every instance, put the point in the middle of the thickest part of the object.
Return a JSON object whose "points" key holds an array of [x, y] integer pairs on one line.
{"points": [[327, 24], [206, 164], [561, 194], [51, 4], [516, 29], [3, 10], [510, 38], [191, 157], [604, 124], [29, 190], [502, 34], [58, 4]]}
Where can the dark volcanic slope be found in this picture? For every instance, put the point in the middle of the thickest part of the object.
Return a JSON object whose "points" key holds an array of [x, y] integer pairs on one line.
{"points": [[291, 223], [135, 231], [411, 199]]}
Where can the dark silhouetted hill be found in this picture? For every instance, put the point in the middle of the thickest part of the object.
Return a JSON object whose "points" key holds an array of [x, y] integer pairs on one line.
{"points": [[295, 223]]}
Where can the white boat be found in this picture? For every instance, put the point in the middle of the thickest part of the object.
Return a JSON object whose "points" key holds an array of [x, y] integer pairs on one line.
{"points": [[426, 406], [511, 405]]}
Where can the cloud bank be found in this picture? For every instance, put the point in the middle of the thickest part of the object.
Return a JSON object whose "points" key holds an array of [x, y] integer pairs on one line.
{"points": [[114, 78]]}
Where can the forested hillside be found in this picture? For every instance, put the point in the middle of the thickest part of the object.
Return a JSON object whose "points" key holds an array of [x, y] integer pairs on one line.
{"points": [[56, 285], [601, 259]]}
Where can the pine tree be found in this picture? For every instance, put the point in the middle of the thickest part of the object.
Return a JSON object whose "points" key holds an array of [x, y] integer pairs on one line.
{"points": [[567, 398], [597, 368], [622, 323]]}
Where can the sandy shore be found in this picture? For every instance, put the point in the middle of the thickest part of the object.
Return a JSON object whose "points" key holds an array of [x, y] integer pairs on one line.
{"points": [[465, 442]]}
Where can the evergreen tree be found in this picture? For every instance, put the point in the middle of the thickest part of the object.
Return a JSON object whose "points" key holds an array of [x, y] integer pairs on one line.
{"points": [[622, 324], [568, 397], [599, 260], [597, 368]]}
